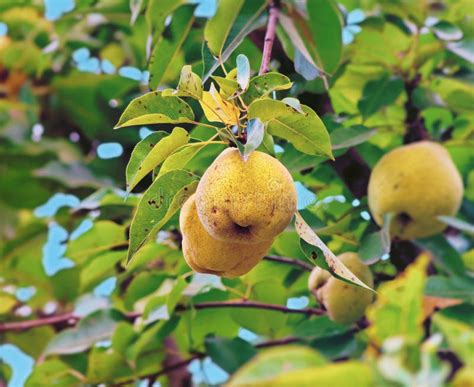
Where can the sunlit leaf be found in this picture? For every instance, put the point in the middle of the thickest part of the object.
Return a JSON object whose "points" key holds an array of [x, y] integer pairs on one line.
{"points": [[218, 27], [151, 152], [243, 71], [189, 83], [153, 108], [270, 363], [305, 131], [264, 84]]}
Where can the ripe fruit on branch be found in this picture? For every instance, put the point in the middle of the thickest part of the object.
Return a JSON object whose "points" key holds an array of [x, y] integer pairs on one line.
{"points": [[416, 183], [245, 201], [208, 255], [344, 303]]}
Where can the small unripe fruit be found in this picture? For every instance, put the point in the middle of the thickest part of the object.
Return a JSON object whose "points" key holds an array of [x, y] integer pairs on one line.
{"points": [[345, 303]]}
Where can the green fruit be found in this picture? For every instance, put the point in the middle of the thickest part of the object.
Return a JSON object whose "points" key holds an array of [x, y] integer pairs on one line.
{"points": [[345, 303], [245, 201], [416, 183], [205, 254]]}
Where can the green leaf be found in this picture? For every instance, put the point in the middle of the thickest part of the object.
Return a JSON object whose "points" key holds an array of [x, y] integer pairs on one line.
{"points": [[243, 71], [447, 31], [247, 20], [99, 269], [227, 87], [151, 152], [156, 13], [343, 138], [53, 372], [318, 253], [305, 131], [270, 363], [326, 33], [264, 84], [218, 27], [160, 201], [183, 156], [154, 108], [398, 308], [96, 327], [459, 335], [379, 93], [255, 132], [229, 354], [450, 287], [457, 224], [167, 48], [374, 246], [190, 84], [444, 254]]}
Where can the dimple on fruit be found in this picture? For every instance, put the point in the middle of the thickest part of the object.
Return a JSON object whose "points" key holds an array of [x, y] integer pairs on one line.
{"points": [[245, 201]]}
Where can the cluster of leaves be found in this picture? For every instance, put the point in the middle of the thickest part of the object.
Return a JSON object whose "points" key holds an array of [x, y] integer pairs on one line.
{"points": [[406, 70]]}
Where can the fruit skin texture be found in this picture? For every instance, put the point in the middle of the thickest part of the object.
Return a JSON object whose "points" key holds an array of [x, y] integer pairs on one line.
{"points": [[207, 255], [344, 303], [245, 201], [417, 183]]}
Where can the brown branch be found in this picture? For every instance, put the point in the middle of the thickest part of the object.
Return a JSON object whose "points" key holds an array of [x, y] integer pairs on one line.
{"points": [[290, 261], [252, 305], [63, 319], [70, 320], [274, 12]]}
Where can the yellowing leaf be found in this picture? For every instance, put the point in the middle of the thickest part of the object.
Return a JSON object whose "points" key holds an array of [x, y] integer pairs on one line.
{"points": [[218, 109], [7, 302], [270, 363], [398, 310], [336, 374]]}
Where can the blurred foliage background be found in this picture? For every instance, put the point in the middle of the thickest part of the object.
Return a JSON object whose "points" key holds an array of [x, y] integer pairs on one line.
{"points": [[379, 74]]}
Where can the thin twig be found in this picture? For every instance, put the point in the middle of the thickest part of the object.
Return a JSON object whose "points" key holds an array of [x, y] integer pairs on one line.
{"points": [[273, 14], [69, 319], [290, 261]]}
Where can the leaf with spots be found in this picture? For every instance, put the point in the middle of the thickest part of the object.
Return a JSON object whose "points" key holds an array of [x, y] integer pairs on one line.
{"points": [[217, 109], [151, 152], [306, 131], [169, 45], [227, 87], [158, 204], [190, 84], [264, 84], [319, 254], [155, 108]]}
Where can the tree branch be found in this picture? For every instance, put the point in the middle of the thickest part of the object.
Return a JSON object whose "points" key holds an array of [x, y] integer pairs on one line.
{"points": [[68, 319], [290, 261], [274, 12]]}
